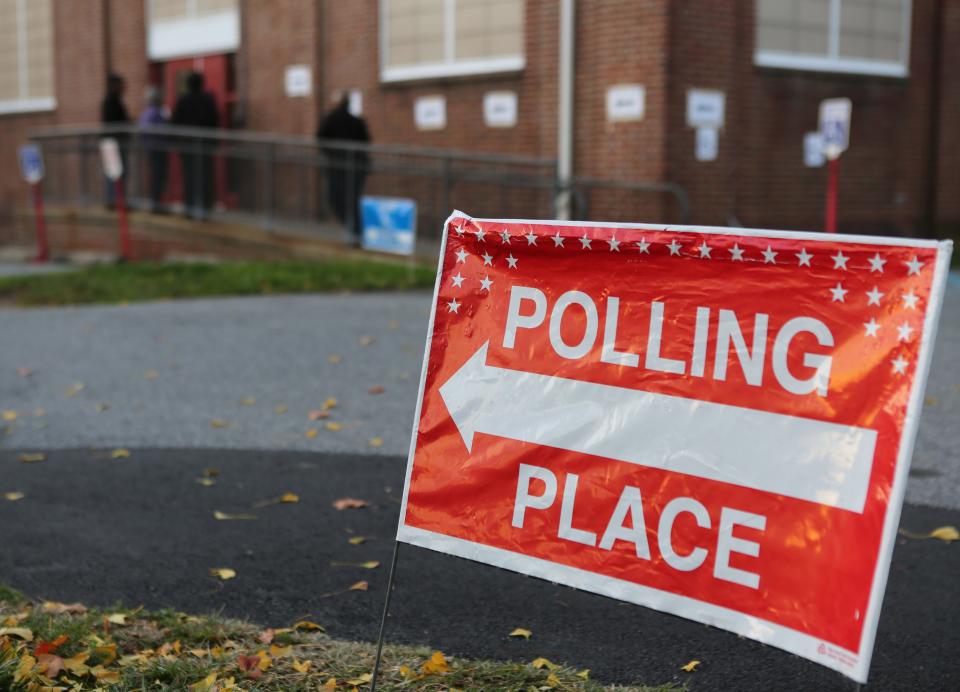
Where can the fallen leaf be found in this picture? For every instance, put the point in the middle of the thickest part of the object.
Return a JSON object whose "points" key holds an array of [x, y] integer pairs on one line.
{"points": [[117, 618], [335, 358], [218, 423], [393, 324], [553, 681], [356, 540], [211, 472], [280, 409], [286, 498], [60, 608], [19, 632], [437, 663], [75, 389], [223, 573], [931, 401], [50, 665], [585, 674], [376, 389], [311, 433], [151, 374], [223, 516], [10, 415], [206, 482], [366, 340], [248, 401], [376, 442], [32, 457], [330, 403], [300, 666], [330, 684], [539, 663], [334, 426], [521, 632], [77, 664], [24, 372], [370, 564], [120, 454], [265, 661], [318, 415], [249, 663], [307, 625], [107, 652], [359, 586], [690, 667], [39, 412], [14, 496], [266, 636], [943, 533], [280, 651], [406, 672], [100, 408], [350, 503], [362, 680], [50, 647], [205, 685]]}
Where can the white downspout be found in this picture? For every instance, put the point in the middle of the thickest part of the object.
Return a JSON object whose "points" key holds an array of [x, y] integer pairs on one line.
{"points": [[568, 16]]}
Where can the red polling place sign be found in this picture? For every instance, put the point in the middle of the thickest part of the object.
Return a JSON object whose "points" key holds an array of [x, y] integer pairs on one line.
{"points": [[715, 423]]}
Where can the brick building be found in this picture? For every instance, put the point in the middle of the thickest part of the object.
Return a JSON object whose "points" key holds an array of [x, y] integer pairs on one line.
{"points": [[422, 71]]}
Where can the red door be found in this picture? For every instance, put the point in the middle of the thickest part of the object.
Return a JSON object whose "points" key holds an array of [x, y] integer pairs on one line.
{"points": [[218, 77]]}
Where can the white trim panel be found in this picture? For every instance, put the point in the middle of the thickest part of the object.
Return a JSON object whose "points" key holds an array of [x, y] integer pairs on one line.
{"points": [[27, 105], [792, 61], [215, 33], [454, 69]]}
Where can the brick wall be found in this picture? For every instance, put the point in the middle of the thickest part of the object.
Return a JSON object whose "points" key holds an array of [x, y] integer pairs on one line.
{"points": [[948, 168]]}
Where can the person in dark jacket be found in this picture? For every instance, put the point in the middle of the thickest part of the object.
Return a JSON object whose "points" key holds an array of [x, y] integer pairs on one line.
{"points": [[114, 112], [347, 169], [197, 108]]}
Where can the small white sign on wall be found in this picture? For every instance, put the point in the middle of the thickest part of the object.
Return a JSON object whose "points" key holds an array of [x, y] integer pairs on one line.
{"points": [[298, 81], [705, 108], [500, 108], [813, 150], [625, 102], [707, 143], [430, 112], [355, 102]]}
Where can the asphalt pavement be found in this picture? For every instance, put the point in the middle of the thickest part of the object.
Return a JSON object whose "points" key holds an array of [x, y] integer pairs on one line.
{"points": [[191, 385], [141, 530]]}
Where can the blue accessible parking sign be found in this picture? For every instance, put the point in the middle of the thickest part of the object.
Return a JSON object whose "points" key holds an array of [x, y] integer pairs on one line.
{"points": [[389, 224], [31, 163]]}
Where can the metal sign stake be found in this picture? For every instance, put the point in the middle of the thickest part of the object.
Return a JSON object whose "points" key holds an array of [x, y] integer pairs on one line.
{"points": [[383, 619]]}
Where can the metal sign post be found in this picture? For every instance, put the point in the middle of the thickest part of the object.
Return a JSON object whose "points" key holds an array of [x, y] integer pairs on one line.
{"points": [[31, 168], [835, 133], [113, 168]]}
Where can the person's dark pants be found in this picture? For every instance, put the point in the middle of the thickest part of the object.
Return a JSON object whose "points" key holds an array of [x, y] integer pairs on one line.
{"points": [[345, 191], [197, 173], [159, 167]]}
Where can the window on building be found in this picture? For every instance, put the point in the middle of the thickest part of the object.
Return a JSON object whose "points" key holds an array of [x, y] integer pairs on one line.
{"points": [[436, 38], [26, 56], [862, 36], [182, 28]]}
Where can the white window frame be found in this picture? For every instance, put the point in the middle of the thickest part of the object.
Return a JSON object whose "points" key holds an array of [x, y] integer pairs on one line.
{"points": [[833, 61], [25, 104], [449, 66], [192, 35]]}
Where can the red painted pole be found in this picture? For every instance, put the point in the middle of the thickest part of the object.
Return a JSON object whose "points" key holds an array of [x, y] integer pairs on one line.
{"points": [[833, 169], [43, 246], [126, 254]]}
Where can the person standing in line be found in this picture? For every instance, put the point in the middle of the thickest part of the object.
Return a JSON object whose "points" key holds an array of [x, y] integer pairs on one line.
{"points": [[155, 147], [348, 169], [113, 112], [197, 108]]}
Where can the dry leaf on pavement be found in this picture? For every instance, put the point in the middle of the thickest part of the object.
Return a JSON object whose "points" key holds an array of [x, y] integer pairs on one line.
{"points": [[357, 540], [223, 573], [120, 454], [335, 358], [10, 415], [334, 426], [24, 372], [541, 662], [690, 667], [206, 482], [359, 586], [521, 632], [330, 403], [437, 663], [376, 442], [376, 389], [32, 457], [318, 415], [307, 625], [223, 516], [349, 503], [311, 433], [151, 374], [75, 389], [14, 496], [946, 534], [219, 423], [280, 409], [366, 340], [286, 498], [248, 401]]}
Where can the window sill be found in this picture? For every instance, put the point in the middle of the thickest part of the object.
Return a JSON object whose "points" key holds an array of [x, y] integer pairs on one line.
{"points": [[810, 63], [22, 106], [466, 68]]}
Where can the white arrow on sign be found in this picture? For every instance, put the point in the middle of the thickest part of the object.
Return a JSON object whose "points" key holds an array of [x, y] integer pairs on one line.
{"points": [[812, 460]]}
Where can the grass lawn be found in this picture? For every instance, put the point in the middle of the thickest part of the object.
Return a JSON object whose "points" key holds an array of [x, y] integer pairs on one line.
{"points": [[153, 281], [57, 646]]}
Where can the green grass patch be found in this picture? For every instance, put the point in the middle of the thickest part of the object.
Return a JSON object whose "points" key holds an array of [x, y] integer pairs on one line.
{"points": [[157, 281], [54, 646]]}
